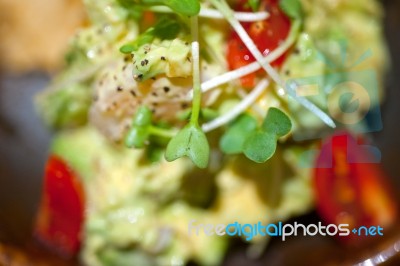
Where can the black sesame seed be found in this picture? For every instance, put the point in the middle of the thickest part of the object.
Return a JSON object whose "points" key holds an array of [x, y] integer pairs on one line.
{"points": [[166, 89], [133, 93], [154, 94], [119, 88], [163, 58], [184, 105]]}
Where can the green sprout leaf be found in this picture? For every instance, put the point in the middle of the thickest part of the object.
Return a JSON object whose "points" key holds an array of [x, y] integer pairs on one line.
{"points": [[233, 140], [292, 8], [165, 29], [277, 122], [184, 7], [260, 146], [139, 134], [257, 143], [137, 137], [191, 142], [142, 117], [144, 38]]}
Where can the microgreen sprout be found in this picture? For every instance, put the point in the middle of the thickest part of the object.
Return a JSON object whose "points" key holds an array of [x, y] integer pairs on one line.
{"points": [[191, 140], [142, 128], [257, 143], [165, 29]]}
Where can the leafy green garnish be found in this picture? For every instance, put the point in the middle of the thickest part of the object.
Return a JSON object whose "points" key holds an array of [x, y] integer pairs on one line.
{"points": [[260, 146], [165, 29], [277, 122], [257, 143], [233, 140], [142, 128], [191, 142], [183, 7], [140, 131], [292, 8]]}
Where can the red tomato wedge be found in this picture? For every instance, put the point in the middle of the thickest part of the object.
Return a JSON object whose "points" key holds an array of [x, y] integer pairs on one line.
{"points": [[266, 34], [61, 211], [350, 188]]}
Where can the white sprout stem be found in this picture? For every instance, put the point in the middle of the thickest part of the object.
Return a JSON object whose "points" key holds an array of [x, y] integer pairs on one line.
{"points": [[252, 67], [196, 71], [226, 10], [239, 108], [215, 14]]}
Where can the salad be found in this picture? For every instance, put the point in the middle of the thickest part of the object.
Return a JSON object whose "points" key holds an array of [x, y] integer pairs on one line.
{"points": [[171, 111]]}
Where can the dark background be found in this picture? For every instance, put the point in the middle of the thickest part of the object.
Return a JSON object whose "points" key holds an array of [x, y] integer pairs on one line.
{"points": [[23, 151]]}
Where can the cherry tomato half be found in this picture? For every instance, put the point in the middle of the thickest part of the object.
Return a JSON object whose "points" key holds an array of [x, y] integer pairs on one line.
{"points": [[266, 34], [350, 188], [61, 211]]}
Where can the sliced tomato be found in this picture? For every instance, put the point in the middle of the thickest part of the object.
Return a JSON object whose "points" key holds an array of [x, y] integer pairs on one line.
{"points": [[61, 211], [350, 188], [266, 34]]}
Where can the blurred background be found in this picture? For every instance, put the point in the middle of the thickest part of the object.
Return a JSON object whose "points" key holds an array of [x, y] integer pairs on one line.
{"points": [[33, 39]]}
